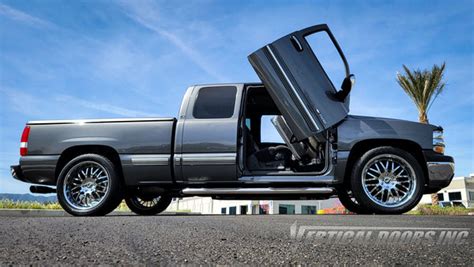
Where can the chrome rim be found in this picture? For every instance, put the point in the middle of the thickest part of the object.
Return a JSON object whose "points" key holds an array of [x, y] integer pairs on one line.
{"points": [[147, 203], [389, 180], [86, 185]]}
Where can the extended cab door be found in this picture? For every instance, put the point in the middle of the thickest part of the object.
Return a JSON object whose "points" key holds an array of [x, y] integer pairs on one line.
{"points": [[298, 83], [206, 134]]}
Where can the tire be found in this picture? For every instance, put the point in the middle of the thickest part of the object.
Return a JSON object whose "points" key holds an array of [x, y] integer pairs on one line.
{"points": [[387, 180], [349, 202], [89, 185], [148, 207]]}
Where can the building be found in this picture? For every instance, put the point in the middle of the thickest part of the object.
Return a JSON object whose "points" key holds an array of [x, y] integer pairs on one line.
{"points": [[206, 205], [460, 189]]}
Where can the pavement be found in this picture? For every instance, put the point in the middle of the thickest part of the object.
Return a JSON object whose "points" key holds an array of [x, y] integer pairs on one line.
{"points": [[252, 239], [62, 213]]}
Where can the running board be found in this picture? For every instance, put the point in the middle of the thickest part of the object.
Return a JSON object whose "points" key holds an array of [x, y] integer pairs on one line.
{"points": [[257, 191]]}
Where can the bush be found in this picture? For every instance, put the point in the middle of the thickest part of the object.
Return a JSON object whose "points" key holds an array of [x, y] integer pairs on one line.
{"points": [[437, 210], [35, 205]]}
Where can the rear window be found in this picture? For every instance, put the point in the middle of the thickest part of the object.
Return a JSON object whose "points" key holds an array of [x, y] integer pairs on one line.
{"points": [[215, 102]]}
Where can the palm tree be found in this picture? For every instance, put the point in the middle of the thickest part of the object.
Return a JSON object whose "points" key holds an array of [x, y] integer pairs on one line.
{"points": [[423, 87]]}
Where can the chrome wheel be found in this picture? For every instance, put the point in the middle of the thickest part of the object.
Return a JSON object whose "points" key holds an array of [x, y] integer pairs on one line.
{"points": [[389, 180], [86, 185], [151, 205], [147, 203]]}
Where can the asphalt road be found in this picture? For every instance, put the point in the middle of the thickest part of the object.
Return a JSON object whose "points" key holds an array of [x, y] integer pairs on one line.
{"points": [[252, 240]]}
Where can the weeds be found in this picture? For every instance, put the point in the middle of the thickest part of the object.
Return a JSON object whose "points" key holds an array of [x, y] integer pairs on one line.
{"points": [[437, 210], [34, 205]]}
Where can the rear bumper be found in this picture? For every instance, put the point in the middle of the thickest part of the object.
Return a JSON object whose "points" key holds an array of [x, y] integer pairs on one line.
{"points": [[17, 173], [440, 170], [36, 169]]}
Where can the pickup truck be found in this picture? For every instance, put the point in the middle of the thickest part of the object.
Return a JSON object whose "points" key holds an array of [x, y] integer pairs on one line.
{"points": [[214, 147]]}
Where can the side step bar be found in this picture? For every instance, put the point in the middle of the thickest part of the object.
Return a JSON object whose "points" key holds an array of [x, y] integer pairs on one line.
{"points": [[256, 191]]}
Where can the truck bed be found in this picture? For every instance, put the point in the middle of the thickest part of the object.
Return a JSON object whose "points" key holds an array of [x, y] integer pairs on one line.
{"points": [[144, 145]]}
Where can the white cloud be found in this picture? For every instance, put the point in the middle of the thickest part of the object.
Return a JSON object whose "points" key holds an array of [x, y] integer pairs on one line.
{"points": [[147, 14], [35, 106], [104, 107], [23, 17]]}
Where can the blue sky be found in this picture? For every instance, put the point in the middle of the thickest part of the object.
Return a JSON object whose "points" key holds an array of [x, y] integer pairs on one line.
{"points": [[95, 59]]}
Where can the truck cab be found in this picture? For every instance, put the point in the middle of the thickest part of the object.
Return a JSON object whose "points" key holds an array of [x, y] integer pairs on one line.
{"points": [[218, 140]]}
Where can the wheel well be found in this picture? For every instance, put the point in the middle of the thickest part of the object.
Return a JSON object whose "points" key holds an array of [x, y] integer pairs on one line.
{"points": [[363, 146], [75, 151]]}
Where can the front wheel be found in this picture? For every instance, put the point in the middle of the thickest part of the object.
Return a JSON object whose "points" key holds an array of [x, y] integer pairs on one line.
{"points": [[387, 180], [150, 206]]}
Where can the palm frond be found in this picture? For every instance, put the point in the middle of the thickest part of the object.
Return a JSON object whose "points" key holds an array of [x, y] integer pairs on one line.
{"points": [[423, 86]]}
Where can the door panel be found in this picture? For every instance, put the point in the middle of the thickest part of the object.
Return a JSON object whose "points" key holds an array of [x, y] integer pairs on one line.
{"points": [[298, 83], [208, 150]]}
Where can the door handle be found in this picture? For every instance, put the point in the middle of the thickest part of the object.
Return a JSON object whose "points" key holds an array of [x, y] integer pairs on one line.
{"points": [[296, 43]]}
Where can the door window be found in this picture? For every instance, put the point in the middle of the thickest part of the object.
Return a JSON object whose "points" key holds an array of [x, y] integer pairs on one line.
{"points": [[248, 123], [268, 132], [328, 56], [215, 102]]}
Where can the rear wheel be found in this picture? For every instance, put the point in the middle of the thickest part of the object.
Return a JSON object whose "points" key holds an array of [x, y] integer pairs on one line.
{"points": [[148, 206], [89, 186], [387, 180]]}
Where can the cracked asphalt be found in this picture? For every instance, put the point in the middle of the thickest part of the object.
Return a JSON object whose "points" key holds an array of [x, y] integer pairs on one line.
{"points": [[193, 239]]}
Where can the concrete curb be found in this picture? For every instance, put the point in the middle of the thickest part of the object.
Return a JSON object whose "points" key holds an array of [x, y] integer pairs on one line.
{"points": [[62, 213], [32, 213]]}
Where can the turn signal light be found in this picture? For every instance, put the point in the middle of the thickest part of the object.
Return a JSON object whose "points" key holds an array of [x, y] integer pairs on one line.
{"points": [[439, 149], [438, 140]]}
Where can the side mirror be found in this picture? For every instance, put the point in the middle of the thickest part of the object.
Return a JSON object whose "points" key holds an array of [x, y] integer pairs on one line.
{"points": [[346, 87]]}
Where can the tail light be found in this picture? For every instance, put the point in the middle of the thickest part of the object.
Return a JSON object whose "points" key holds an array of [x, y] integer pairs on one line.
{"points": [[24, 141]]}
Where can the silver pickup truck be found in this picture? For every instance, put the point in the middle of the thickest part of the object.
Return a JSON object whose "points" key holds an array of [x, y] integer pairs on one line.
{"points": [[214, 148]]}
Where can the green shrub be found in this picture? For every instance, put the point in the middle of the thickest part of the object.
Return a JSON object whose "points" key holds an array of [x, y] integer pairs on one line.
{"points": [[35, 205], [437, 210]]}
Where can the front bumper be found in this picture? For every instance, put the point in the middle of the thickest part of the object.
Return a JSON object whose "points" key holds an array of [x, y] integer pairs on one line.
{"points": [[440, 170]]}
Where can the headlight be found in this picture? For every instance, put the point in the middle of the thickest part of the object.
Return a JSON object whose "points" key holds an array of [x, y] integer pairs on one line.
{"points": [[438, 140]]}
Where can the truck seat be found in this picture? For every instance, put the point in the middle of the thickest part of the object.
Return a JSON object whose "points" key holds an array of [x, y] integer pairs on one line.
{"points": [[275, 157]]}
